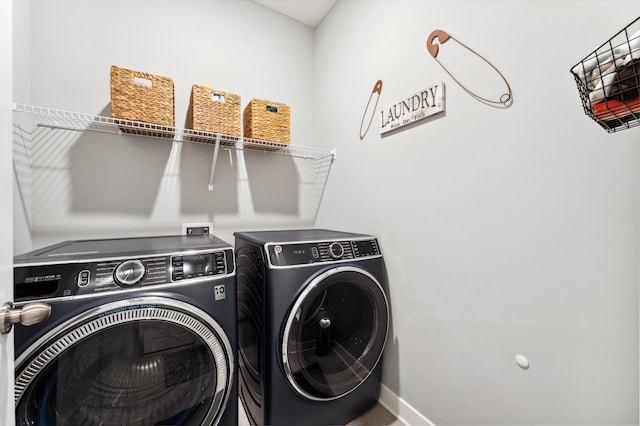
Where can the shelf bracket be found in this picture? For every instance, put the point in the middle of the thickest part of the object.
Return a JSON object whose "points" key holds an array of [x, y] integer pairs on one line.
{"points": [[213, 163]]}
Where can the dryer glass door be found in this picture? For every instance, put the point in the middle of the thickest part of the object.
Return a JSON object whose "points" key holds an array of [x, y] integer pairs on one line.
{"points": [[335, 333], [147, 361]]}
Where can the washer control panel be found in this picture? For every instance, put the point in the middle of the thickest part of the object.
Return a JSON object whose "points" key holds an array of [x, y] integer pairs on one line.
{"points": [[46, 281], [291, 254], [198, 265]]}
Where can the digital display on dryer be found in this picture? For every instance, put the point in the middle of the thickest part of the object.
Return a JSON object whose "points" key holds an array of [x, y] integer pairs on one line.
{"points": [[365, 248], [293, 254]]}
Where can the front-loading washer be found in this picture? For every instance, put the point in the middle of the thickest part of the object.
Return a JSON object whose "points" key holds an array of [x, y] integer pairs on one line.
{"points": [[313, 318], [141, 331]]}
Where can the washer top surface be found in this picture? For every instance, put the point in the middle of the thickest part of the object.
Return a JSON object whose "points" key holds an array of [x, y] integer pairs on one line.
{"points": [[264, 237], [117, 247]]}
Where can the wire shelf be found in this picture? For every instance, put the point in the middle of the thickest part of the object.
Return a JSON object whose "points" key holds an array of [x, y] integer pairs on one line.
{"points": [[44, 144], [75, 121], [608, 80]]}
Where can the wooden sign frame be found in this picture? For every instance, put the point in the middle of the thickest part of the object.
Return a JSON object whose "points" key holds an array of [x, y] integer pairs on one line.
{"points": [[413, 108]]}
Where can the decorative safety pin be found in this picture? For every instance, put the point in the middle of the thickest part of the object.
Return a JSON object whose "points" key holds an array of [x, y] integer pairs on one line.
{"points": [[377, 88], [443, 36]]}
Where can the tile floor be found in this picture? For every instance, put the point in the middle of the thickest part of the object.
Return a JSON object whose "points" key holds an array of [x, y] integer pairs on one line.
{"points": [[376, 416]]}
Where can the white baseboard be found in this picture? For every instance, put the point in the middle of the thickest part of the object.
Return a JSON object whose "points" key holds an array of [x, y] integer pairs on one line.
{"points": [[404, 412]]}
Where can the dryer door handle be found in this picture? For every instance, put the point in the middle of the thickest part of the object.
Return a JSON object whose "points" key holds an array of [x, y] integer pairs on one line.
{"points": [[29, 314]]}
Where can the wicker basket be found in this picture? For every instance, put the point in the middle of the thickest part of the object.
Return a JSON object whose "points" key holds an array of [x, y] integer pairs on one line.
{"points": [[212, 113], [143, 97], [267, 121]]}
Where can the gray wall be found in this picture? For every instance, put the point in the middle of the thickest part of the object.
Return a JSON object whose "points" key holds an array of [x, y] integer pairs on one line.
{"points": [[506, 231], [22, 176]]}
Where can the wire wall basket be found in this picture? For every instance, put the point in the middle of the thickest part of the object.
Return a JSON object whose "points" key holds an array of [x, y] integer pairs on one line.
{"points": [[608, 80]]}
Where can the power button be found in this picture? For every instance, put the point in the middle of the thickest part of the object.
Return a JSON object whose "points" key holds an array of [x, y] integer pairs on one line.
{"points": [[83, 278]]}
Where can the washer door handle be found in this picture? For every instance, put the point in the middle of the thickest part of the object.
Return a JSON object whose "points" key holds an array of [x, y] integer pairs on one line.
{"points": [[29, 314]]}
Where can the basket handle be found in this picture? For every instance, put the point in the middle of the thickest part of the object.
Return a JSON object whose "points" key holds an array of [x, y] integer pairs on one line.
{"points": [[218, 97], [271, 108], [142, 81]]}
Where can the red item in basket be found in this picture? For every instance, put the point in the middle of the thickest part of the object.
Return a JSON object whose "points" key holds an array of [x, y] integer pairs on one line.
{"points": [[614, 109]]}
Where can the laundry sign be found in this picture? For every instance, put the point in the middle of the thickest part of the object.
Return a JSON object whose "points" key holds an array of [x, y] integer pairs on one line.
{"points": [[425, 103]]}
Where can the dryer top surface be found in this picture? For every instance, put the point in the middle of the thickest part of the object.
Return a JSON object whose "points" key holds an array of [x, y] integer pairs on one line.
{"points": [[264, 237]]}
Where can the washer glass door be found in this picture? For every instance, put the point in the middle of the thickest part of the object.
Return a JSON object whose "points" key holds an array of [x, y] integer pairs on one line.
{"points": [[335, 333], [146, 361]]}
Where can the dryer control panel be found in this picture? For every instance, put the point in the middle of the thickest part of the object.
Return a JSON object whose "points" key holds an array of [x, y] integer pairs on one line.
{"points": [[303, 253], [81, 278]]}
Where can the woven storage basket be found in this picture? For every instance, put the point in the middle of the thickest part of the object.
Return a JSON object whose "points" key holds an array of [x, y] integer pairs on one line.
{"points": [[267, 121], [213, 111], [144, 97]]}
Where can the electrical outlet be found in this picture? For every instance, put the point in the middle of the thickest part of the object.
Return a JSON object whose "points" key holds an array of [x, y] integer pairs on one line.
{"points": [[197, 228]]}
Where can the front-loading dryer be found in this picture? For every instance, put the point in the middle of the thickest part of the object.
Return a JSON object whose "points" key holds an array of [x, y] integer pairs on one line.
{"points": [[141, 331], [313, 318]]}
